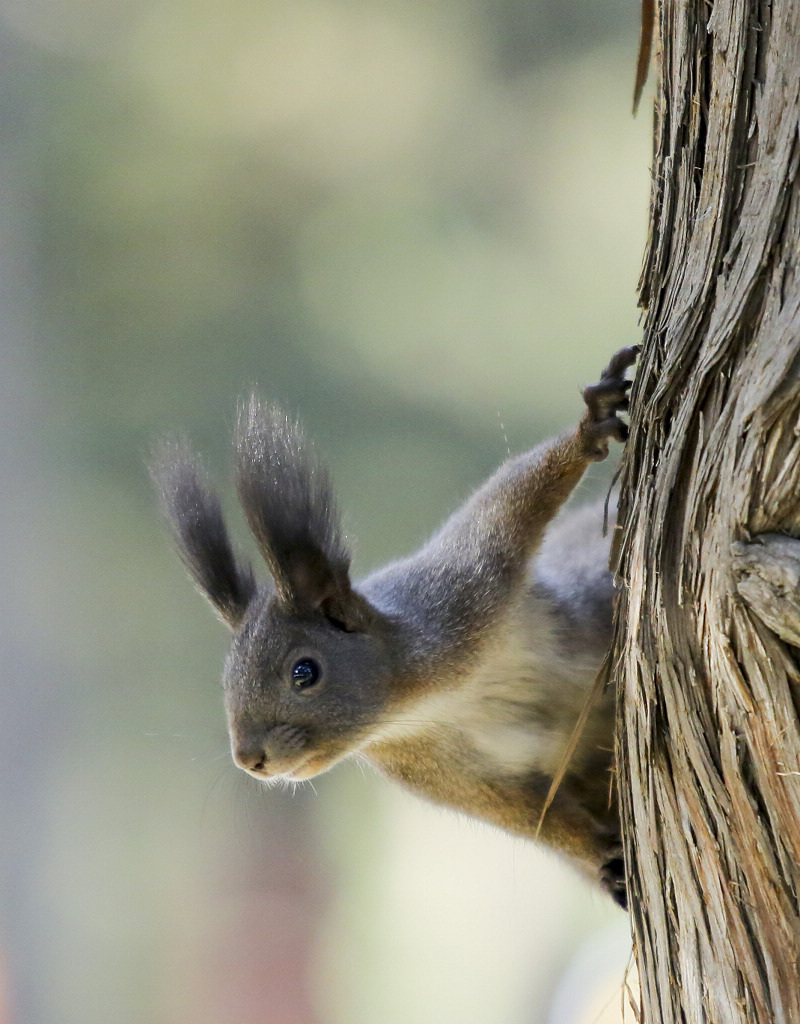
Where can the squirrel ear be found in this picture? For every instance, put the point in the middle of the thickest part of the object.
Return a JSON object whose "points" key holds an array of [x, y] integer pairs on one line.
{"points": [[314, 586], [288, 501], [195, 517]]}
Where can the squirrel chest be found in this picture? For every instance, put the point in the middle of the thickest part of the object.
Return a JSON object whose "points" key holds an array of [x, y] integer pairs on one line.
{"points": [[504, 718]]}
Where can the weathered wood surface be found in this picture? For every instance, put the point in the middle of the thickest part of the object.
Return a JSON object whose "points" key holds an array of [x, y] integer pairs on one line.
{"points": [[768, 579], [709, 741]]}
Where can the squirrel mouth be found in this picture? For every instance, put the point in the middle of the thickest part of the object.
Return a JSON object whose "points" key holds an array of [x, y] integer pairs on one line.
{"points": [[307, 769], [274, 771]]}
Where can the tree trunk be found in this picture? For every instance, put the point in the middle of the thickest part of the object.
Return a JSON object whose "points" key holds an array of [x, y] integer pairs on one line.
{"points": [[708, 621]]}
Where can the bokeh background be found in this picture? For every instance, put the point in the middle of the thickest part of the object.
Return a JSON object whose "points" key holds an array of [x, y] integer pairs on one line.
{"points": [[417, 223]]}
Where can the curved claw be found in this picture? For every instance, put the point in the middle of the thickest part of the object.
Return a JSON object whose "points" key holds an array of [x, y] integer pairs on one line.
{"points": [[621, 360], [605, 400]]}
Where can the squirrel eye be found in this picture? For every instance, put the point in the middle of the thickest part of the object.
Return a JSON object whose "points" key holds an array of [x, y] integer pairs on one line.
{"points": [[305, 673]]}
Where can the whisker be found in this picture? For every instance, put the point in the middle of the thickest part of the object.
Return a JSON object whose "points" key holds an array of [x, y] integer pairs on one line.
{"points": [[205, 808]]}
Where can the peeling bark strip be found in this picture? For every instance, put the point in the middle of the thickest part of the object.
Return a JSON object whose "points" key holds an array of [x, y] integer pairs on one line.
{"points": [[709, 738]]}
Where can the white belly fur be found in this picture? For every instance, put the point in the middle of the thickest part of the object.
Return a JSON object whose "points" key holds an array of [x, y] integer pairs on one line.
{"points": [[515, 710]]}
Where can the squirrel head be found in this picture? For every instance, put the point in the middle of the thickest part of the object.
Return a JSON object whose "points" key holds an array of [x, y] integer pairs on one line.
{"points": [[309, 668]]}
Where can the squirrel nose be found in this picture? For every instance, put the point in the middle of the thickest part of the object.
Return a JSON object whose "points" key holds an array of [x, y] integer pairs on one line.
{"points": [[250, 755]]}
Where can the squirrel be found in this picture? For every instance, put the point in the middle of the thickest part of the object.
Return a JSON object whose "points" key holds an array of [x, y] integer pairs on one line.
{"points": [[460, 671]]}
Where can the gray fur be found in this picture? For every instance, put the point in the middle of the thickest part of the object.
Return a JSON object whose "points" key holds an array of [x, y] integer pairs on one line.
{"points": [[195, 517], [287, 497]]}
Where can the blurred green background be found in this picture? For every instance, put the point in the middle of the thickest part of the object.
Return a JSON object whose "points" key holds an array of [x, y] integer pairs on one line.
{"points": [[418, 225]]}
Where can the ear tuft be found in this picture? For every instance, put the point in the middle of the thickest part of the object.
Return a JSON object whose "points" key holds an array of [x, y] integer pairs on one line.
{"points": [[195, 517], [287, 497]]}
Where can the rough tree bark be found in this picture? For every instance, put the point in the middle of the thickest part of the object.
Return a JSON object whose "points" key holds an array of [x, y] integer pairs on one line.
{"points": [[708, 623]]}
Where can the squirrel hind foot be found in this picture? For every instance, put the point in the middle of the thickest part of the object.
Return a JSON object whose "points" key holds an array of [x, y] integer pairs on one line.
{"points": [[613, 880]]}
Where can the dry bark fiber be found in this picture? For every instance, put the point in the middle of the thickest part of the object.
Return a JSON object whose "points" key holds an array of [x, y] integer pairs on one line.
{"points": [[708, 620]]}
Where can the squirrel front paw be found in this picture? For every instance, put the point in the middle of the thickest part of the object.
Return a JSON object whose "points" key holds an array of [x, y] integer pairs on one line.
{"points": [[604, 401]]}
